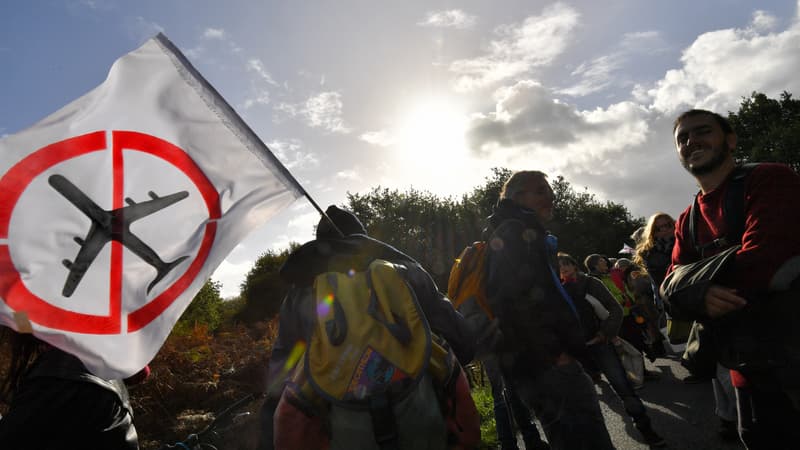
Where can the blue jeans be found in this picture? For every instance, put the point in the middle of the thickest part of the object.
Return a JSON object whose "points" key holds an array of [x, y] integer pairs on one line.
{"points": [[566, 403], [605, 357], [503, 411]]}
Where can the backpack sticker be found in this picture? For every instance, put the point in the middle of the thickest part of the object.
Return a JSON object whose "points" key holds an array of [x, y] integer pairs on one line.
{"points": [[373, 373]]}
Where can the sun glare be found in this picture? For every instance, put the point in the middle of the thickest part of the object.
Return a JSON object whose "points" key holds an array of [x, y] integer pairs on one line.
{"points": [[433, 132]]}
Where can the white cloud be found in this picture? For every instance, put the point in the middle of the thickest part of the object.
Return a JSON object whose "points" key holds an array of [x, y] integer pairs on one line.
{"points": [[255, 65], [348, 175], [720, 67], [259, 95], [519, 49], [380, 138], [305, 221], [231, 275], [643, 41], [323, 110], [260, 98], [596, 75], [291, 154], [290, 109], [763, 21], [214, 33], [603, 71], [454, 18], [529, 123], [213, 41]]}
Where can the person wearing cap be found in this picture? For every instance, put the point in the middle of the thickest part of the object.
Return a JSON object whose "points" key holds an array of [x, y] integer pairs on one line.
{"points": [[341, 240]]}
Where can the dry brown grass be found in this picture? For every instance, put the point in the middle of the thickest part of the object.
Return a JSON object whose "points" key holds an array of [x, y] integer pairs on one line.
{"points": [[195, 376]]}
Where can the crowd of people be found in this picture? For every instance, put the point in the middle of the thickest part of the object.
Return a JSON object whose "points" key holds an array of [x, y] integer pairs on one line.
{"points": [[556, 327]]}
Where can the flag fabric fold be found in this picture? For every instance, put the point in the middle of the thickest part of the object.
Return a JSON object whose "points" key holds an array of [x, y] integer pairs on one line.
{"points": [[116, 209]]}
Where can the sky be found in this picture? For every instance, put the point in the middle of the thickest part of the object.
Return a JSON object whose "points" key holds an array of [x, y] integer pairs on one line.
{"points": [[355, 94]]}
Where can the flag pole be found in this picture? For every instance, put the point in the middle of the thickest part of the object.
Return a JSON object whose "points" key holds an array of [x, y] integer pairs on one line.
{"points": [[239, 127]]}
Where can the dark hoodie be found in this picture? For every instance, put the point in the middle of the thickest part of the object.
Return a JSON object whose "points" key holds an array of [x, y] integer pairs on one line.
{"points": [[536, 321]]}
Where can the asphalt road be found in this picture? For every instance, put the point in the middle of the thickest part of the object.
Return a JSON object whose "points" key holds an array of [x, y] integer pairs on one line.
{"points": [[683, 414]]}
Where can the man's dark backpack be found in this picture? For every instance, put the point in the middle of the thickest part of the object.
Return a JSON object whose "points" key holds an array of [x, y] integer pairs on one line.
{"points": [[732, 211]]}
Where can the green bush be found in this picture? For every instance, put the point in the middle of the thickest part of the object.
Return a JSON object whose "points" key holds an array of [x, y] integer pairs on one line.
{"points": [[482, 395]]}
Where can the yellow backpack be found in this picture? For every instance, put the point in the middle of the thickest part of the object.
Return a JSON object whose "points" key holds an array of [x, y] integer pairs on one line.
{"points": [[370, 349], [370, 334], [468, 278]]}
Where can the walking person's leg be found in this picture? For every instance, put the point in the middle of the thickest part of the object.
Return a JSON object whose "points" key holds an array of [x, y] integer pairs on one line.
{"points": [[565, 401], [725, 404], [605, 357], [506, 434]]}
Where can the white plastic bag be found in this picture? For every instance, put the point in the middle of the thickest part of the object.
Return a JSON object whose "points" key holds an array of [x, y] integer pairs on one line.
{"points": [[599, 310], [632, 361]]}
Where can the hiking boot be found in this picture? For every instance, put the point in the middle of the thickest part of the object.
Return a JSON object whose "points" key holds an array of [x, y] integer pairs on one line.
{"points": [[537, 445], [728, 430], [696, 379], [651, 438]]}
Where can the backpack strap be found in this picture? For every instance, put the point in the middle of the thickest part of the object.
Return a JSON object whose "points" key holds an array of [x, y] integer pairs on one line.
{"points": [[384, 424], [732, 212], [733, 209]]}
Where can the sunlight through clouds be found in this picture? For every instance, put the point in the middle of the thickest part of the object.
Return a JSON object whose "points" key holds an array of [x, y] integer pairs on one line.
{"points": [[348, 175], [380, 138]]}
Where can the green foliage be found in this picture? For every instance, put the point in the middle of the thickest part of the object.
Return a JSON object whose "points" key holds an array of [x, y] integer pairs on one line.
{"points": [[768, 129], [434, 230], [431, 229], [206, 309], [262, 290], [231, 308], [482, 396], [584, 225]]}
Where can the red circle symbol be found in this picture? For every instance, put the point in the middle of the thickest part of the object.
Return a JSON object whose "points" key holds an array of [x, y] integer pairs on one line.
{"points": [[12, 288]]}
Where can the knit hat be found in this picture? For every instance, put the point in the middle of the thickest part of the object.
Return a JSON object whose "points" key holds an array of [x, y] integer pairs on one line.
{"points": [[346, 221]]}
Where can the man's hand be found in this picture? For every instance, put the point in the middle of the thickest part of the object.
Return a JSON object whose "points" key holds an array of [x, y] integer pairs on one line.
{"points": [[721, 300]]}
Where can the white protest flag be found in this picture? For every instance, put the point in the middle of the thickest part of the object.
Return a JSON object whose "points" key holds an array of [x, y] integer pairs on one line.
{"points": [[116, 209]]}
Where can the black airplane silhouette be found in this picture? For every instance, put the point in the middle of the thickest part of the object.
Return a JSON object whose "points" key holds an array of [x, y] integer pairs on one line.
{"points": [[116, 225]]}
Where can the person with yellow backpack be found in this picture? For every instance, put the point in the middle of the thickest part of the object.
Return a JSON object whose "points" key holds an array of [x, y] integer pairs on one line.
{"points": [[368, 351]]}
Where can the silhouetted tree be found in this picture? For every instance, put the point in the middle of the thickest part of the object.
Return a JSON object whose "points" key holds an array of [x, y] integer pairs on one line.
{"points": [[768, 129], [263, 289]]}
